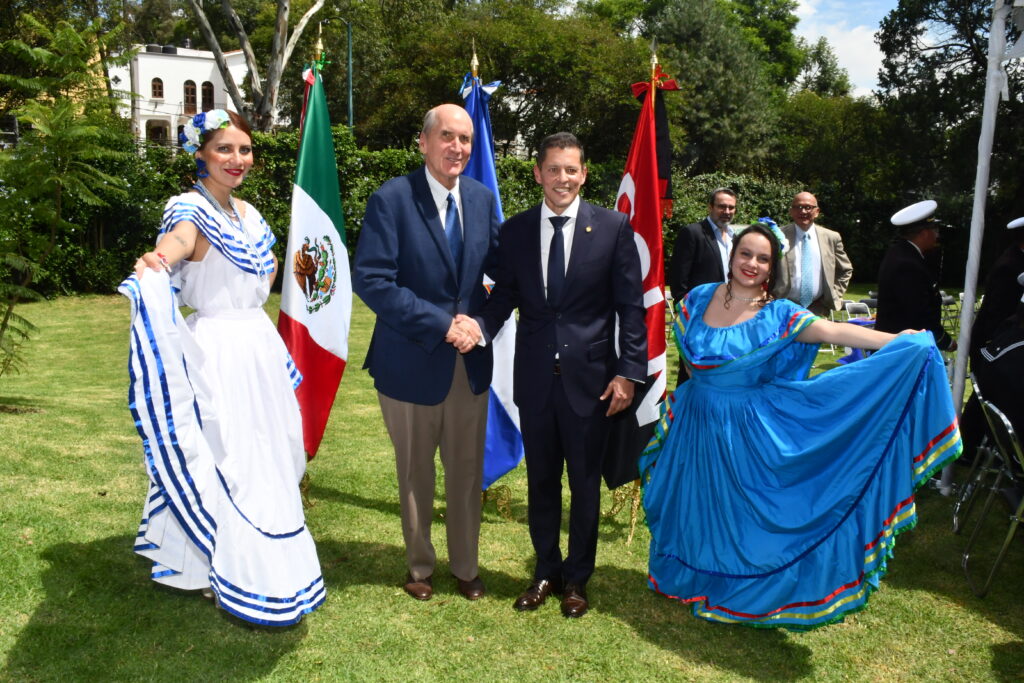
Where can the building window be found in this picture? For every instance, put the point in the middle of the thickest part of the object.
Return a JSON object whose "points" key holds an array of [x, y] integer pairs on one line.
{"points": [[207, 96], [190, 97], [158, 89]]}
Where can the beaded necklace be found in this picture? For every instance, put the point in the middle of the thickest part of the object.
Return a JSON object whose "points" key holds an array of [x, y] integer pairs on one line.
{"points": [[234, 219]]}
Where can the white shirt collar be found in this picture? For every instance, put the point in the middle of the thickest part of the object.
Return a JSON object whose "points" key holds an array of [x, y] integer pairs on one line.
{"points": [[439, 193], [570, 212], [718, 228]]}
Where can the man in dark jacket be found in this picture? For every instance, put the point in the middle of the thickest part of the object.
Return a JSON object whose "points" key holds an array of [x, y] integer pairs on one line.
{"points": [[908, 288]]}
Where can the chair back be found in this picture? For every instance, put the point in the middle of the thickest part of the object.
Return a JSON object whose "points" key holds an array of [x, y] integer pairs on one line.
{"points": [[857, 309], [1004, 435]]}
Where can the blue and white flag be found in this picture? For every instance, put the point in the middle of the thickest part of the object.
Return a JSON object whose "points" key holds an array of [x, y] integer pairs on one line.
{"points": [[503, 448]]}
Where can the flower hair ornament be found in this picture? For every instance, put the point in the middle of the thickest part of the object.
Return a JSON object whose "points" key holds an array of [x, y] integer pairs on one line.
{"points": [[783, 242], [201, 123]]}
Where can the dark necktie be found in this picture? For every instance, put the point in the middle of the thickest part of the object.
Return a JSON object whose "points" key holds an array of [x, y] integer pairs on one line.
{"points": [[453, 232], [556, 260]]}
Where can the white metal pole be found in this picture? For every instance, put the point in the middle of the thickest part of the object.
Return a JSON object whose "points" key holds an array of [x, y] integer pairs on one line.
{"points": [[993, 87]]}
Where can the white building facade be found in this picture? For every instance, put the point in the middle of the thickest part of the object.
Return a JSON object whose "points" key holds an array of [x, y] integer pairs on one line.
{"points": [[171, 84]]}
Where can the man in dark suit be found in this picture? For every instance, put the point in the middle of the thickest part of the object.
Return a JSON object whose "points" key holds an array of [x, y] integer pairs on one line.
{"points": [[570, 268], [426, 241], [701, 251], [908, 289]]}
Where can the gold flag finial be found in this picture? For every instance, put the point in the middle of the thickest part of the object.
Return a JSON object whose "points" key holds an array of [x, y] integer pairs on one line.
{"points": [[474, 65], [318, 49], [654, 59]]}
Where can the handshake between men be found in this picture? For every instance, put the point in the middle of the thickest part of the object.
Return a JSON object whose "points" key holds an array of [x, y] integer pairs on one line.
{"points": [[464, 333]]}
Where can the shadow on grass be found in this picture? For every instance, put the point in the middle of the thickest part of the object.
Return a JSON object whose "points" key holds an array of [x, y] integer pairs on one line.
{"points": [[761, 654], [322, 494], [929, 558], [102, 619], [21, 404]]}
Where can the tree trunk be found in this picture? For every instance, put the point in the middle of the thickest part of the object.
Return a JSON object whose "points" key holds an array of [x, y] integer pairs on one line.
{"points": [[264, 92]]}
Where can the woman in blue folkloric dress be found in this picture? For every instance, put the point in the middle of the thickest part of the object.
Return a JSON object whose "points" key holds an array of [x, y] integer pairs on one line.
{"points": [[213, 399], [774, 500]]}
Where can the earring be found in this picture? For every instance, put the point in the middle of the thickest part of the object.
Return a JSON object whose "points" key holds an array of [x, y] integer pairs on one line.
{"points": [[201, 171]]}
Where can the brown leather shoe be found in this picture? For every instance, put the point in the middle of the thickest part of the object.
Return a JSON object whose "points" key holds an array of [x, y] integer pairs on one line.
{"points": [[535, 595], [421, 589], [472, 589], [574, 602]]}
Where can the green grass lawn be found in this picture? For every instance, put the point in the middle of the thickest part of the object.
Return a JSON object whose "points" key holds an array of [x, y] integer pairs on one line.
{"points": [[76, 603]]}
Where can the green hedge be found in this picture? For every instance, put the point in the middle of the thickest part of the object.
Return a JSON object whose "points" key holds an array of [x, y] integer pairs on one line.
{"points": [[96, 258]]}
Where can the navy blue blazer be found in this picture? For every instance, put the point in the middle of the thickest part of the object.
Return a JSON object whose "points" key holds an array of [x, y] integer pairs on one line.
{"points": [[405, 273], [602, 280]]}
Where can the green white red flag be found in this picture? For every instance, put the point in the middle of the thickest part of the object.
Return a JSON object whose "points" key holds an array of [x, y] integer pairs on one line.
{"points": [[316, 293]]}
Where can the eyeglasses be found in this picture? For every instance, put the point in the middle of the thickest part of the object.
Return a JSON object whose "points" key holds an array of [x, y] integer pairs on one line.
{"points": [[805, 207]]}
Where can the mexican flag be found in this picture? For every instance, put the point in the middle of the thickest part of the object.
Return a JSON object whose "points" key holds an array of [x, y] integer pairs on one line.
{"points": [[316, 293]]}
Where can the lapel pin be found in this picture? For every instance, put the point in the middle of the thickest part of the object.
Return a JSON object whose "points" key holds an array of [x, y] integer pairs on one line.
{"points": [[588, 228]]}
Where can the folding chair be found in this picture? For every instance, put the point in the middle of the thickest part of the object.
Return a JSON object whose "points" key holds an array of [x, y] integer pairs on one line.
{"points": [[1007, 446], [857, 313], [985, 466], [857, 309]]}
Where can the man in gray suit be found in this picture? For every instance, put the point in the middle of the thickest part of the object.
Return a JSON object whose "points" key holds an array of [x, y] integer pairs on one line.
{"points": [[817, 270]]}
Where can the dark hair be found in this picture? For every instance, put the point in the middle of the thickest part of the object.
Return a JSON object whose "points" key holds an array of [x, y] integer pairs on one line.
{"points": [[720, 190], [236, 121], [776, 253], [561, 141]]}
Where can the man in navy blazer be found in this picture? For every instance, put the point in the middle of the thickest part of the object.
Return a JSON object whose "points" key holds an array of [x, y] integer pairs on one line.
{"points": [[426, 241], [570, 268]]}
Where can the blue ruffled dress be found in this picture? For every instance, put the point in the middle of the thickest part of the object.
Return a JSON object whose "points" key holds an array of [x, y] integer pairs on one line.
{"points": [[774, 500]]}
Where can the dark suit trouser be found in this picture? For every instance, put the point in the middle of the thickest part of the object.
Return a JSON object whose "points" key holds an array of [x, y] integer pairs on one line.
{"points": [[456, 425], [551, 437]]}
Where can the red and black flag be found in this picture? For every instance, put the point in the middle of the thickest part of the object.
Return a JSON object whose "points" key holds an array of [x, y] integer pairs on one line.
{"points": [[645, 195]]}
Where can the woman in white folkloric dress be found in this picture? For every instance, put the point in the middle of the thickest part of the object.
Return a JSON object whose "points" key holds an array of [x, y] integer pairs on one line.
{"points": [[213, 398]]}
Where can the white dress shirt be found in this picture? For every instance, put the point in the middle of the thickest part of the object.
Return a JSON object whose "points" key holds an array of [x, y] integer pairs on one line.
{"points": [[723, 238], [547, 231], [798, 259], [439, 193]]}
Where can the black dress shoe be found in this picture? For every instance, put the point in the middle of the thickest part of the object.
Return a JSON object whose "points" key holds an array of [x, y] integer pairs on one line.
{"points": [[472, 589], [421, 589], [574, 602], [536, 594]]}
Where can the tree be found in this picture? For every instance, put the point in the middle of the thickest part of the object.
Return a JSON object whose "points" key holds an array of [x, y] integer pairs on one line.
{"points": [[263, 91], [821, 73], [768, 27], [727, 108], [57, 163], [407, 62], [932, 82]]}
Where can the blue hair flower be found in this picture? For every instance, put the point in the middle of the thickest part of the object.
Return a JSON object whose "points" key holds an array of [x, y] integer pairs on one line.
{"points": [[771, 225]]}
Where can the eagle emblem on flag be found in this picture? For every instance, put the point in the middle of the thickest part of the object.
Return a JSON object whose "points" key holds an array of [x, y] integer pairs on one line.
{"points": [[315, 271]]}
